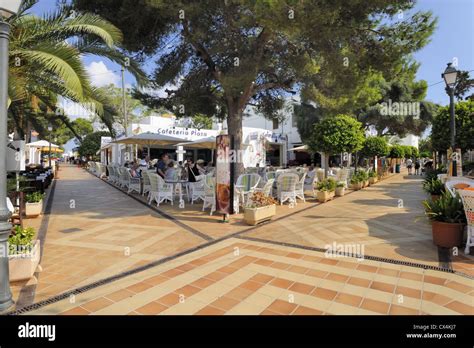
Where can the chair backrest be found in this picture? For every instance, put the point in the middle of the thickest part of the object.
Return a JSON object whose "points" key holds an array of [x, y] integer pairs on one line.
{"points": [[452, 182], [267, 188], [467, 197], [248, 181], [270, 175], [320, 174], [146, 178], [161, 181], [153, 181], [301, 180], [287, 181], [209, 184], [342, 175]]}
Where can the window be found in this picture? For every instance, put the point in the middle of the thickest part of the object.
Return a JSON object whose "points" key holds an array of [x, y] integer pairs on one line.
{"points": [[275, 124], [294, 121]]}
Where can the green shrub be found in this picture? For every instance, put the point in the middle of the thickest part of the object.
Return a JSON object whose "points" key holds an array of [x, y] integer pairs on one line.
{"points": [[21, 240], [34, 197], [446, 209], [433, 186], [327, 185], [397, 151]]}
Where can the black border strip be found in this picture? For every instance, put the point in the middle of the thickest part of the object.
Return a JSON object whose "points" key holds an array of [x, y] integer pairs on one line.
{"points": [[368, 257]]}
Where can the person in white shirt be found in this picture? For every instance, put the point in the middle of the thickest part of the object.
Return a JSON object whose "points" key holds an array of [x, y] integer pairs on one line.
{"points": [[409, 166]]}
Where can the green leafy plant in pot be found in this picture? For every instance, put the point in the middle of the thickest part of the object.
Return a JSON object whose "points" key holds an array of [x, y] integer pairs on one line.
{"points": [[448, 219], [326, 190], [34, 204], [434, 187], [340, 189]]}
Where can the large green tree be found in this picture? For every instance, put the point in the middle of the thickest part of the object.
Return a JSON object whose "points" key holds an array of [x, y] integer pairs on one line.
{"points": [[218, 57], [440, 134], [91, 144]]}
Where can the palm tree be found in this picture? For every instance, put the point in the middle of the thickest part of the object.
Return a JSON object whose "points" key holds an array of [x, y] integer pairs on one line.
{"points": [[46, 64]]}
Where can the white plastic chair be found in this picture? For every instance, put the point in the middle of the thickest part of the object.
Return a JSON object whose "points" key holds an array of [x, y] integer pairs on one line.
{"points": [[209, 194], [453, 181], [197, 190], [133, 184], [299, 188], [467, 197], [246, 184], [160, 191], [310, 182], [267, 188], [343, 176], [286, 186], [146, 182]]}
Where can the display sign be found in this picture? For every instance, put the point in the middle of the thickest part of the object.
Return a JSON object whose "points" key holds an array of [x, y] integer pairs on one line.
{"points": [[16, 156], [223, 182]]}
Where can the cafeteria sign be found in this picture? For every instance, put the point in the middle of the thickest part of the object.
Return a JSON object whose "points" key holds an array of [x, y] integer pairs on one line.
{"points": [[223, 179]]}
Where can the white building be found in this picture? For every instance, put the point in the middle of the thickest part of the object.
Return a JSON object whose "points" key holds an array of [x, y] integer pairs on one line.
{"points": [[255, 140]]}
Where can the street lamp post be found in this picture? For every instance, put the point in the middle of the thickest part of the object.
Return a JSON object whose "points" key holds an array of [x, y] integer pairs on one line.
{"points": [[450, 77], [50, 129], [7, 9]]}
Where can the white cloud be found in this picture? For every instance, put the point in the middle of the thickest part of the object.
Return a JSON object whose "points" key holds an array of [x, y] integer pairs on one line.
{"points": [[101, 76]]}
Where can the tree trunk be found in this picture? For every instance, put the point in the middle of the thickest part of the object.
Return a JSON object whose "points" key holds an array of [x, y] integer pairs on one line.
{"points": [[234, 124]]}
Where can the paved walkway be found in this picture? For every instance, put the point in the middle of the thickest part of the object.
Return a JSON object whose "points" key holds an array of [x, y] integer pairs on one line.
{"points": [[273, 269]]}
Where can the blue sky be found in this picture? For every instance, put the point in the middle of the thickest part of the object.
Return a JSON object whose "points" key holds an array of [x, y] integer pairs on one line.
{"points": [[453, 41]]}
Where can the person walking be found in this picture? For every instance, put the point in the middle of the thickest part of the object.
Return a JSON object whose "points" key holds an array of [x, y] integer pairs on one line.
{"points": [[409, 166], [417, 166]]}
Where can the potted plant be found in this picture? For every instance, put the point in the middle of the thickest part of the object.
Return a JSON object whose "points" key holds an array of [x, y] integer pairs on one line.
{"points": [[23, 253], [356, 181], [373, 177], [326, 190], [259, 208], [340, 189], [448, 220], [434, 187], [34, 204]]}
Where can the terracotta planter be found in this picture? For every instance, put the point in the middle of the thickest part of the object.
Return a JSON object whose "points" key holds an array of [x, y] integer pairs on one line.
{"points": [[357, 186], [340, 191], [447, 235], [23, 266], [254, 216], [324, 196], [366, 183], [373, 180], [33, 209]]}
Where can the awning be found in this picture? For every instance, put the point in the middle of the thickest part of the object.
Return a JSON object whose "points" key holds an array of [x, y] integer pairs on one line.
{"points": [[42, 144], [204, 143], [303, 148], [149, 139]]}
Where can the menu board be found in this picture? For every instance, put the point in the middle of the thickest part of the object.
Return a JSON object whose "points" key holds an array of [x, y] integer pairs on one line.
{"points": [[223, 185]]}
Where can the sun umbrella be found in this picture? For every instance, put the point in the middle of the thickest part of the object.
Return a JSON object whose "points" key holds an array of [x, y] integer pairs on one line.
{"points": [[303, 148], [149, 139], [204, 143]]}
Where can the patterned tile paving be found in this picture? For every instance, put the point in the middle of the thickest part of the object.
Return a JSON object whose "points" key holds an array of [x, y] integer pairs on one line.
{"points": [[235, 277]]}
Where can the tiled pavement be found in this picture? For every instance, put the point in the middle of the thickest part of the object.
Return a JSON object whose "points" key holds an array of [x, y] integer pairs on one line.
{"points": [[235, 277], [263, 277]]}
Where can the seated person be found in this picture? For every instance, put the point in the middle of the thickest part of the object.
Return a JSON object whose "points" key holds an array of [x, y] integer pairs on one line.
{"points": [[134, 171], [171, 173]]}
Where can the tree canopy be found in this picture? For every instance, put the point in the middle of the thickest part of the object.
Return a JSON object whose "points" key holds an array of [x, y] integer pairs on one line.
{"points": [[375, 146], [91, 143], [337, 134], [440, 134], [218, 57]]}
